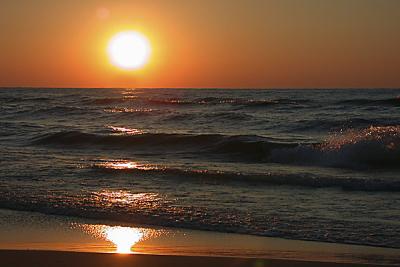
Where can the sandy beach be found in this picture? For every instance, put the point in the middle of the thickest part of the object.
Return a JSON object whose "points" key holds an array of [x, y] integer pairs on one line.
{"points": [[35, 239], [60, 259]]}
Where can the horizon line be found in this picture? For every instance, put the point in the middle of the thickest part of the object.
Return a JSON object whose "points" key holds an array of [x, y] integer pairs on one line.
{"points": [[209, 88]]}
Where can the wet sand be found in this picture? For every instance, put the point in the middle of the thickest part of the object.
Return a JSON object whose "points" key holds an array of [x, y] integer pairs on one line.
{"points": [[34, 239], [21, 258]]}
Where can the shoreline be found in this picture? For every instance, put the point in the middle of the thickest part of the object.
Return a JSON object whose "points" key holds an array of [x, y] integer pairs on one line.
{"points": [[23, 258], [188, 229], [36, 232]]}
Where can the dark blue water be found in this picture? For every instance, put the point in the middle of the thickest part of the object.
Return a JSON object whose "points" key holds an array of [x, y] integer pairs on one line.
{"points": [[303, 164]]}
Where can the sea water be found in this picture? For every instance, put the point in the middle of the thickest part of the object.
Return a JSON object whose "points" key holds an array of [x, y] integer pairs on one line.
{"points": [[318, 165]]}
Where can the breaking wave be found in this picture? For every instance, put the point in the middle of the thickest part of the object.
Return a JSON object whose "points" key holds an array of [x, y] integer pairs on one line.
{"points": [[373, 147]]}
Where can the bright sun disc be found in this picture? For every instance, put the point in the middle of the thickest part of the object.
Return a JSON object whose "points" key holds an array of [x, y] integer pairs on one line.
{"points": [[129, 50]]}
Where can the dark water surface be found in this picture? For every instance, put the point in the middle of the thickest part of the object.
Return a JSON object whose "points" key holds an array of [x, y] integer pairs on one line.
{"points": [[304, 164]]}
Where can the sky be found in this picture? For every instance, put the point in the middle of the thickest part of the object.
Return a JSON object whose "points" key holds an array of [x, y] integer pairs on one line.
{"points": [[203, 43]]}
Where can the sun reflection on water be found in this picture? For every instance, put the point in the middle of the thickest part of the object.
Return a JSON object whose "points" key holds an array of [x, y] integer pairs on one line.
{"points": [[125, 197], [123, 238], [122, 165], [125, 130], [126, 165]]}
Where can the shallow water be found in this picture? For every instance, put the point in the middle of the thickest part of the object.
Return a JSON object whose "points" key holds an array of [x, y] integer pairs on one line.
{"points": [[21, 230], [304, 164]]}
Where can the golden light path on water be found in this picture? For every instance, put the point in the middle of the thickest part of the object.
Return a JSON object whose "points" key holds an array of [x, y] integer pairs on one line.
{"points": [[123, 238]]}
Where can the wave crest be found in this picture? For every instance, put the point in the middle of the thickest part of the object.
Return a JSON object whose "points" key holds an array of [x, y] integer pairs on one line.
{"points": [[299, 179], [373, 147], [244, 102]]}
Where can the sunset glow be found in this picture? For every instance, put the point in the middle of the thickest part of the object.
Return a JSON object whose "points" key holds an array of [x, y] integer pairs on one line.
{"points": [[129, 50], [163, 44]]}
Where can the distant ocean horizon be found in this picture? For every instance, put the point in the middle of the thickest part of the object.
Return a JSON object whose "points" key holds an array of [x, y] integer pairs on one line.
{"points": [[307, 164], [198, 88]]}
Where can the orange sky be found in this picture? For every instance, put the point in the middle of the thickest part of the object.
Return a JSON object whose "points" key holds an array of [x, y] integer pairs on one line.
{"points": [[209, 43]]}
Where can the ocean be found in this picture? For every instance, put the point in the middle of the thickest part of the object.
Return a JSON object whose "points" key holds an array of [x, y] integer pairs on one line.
{"points": [[319, 165]]}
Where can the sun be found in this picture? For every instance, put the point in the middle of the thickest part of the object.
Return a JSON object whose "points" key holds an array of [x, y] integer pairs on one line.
{"points": [[129, 50]]}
